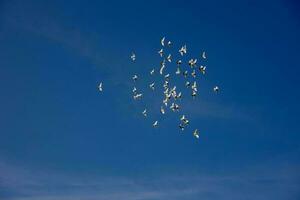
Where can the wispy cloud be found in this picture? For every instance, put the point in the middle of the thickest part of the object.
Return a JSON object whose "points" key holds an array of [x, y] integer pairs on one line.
{"points": [[263, 182]]}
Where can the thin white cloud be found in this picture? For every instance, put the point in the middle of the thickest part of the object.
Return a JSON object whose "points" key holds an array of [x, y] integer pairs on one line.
{"points": [[262, 182]]}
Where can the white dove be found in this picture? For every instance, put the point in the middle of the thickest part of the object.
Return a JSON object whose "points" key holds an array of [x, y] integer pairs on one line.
{"points": [[137, 96], [169, 58], [177, 71], [192, 62], [204, 55], [193, 73], [100, 87], [196, 134], [202, 69], [135, 77], [182, 51], [162, 41], [155, 124], [152, 86], [133, 57], [163, 65], [162, 110], [145, 112], [216, 89], [134, 90], [161, 52], [152, 72]]}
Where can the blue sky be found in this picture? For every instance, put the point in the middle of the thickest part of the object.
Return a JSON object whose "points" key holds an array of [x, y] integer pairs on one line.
{"points": [[61, 139]]}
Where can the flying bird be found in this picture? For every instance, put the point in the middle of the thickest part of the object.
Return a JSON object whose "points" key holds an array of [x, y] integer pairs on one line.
{"points": [[152, 72], [162, 41], [155, 124], [182, 50], [162, 110], [192, 62], [178, 96], [152, 86], [181, 127], [100, 87], [196, 134], [202, 69], [162, 66], [193, 73], [134, 90], [194, 93], [184, 120], [216, 89], [204, 55], [169, 58], [185, 74], [135, 77], [161, 52], [177, 71], [187, 84], [194, 86], [133, 57], [167, 76], [145, 112], [137, 96]]}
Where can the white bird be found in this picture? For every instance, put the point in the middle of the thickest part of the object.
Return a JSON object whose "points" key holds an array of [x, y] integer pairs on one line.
{"points": [[152, 72], [166, 84], [133, 57], [185, 74], [162, 110], [174, 107], [134, 90], [177, 71], [137, 96], [163, 65], [192, 62], [162, 41], [179, 95], [178, 62], [187, 84], [135, 77], [202, 69], [161, 52], [165, 101], [194, 86], [204, 55], [173, 89], [184, 120], [194, 93], [167, 76], [145, 112], [169, 43], [216, 89], [193, 73], [196, 134], [182, 50], [152, 86], [155, 124], [169, 58], [100, 87], [181, 127]]}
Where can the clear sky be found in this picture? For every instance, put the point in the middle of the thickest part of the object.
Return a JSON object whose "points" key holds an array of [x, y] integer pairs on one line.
{"points": [[62, 139]]}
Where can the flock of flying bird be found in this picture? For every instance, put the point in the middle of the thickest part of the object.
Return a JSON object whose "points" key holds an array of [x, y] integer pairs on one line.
{"points": [[170, 94]]}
